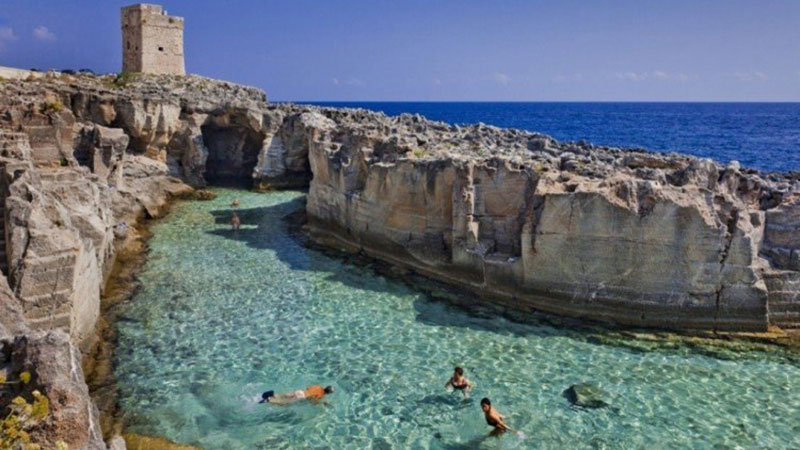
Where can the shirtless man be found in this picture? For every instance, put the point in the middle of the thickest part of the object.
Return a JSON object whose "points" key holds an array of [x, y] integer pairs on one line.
{"points": [[493, 417], [235, 222], [313, 393], [459, 382]]}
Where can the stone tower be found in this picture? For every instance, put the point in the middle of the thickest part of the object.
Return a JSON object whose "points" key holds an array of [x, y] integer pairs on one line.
{"points": [[152, 41]]}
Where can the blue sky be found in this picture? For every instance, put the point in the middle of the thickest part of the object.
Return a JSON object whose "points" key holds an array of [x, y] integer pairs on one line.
{"points": [[575, 50]]}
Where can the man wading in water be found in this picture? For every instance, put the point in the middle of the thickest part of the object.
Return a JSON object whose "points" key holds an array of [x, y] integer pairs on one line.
{"points": [[235, 222], [313, 393], [493, 417]]}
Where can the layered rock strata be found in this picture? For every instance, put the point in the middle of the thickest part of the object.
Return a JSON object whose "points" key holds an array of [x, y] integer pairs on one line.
{"points": [[618, 235]]}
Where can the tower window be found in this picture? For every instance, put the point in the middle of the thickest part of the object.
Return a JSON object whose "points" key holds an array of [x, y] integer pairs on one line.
{"points": [[129, 45], [161, 49]]}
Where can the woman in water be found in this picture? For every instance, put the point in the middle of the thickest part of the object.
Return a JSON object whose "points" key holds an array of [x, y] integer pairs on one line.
{"points": [[459, 382]]}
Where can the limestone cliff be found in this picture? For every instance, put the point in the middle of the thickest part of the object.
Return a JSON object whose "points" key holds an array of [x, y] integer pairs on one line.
{"points": [[621, 235], [617, 235]]}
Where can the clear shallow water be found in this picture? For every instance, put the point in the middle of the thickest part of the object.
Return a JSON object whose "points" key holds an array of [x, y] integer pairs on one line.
{"points": [[764, 136], [222, 317]]}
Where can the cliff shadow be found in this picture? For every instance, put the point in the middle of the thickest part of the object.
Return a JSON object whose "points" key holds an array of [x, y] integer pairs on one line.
{"points": [[278, 228]]}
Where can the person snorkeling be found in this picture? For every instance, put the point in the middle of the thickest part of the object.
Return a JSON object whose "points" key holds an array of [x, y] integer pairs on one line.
{"points": [[313, 393], [459, 382]]}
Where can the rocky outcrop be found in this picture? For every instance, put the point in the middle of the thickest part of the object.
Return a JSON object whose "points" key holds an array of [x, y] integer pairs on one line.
{"points": [[71, 191], [621, 236], [586, 395], [55, 368], [618, 235]]}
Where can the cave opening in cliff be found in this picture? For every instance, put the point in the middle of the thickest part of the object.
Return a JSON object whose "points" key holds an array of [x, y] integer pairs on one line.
{"points": [[232, 154]]}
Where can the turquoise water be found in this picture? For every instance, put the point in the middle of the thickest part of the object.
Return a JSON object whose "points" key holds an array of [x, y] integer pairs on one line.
{"points": [[223, 316]]}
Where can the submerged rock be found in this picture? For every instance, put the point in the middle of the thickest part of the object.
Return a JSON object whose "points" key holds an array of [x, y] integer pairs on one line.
{"points": [[586, 395], [141, 442], [203, 194]]}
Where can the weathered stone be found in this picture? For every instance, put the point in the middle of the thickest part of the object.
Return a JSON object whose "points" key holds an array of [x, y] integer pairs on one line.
{"points": [[586, 395], [56, 372], [140, 442]]}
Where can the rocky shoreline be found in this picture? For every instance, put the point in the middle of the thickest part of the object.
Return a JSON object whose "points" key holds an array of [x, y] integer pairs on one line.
{"points": [[620, 236]]}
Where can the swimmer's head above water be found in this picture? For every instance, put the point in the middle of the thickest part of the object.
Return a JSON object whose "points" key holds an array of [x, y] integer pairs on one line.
{"points": [[266, 395]]}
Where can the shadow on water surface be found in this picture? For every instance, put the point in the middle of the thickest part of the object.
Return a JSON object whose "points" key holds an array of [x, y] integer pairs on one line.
{"points": [[438, 304], [258, 230]]}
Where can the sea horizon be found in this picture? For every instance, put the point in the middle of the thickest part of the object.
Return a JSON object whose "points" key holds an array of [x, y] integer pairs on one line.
{"points": [[755, 102], [760, 135]]}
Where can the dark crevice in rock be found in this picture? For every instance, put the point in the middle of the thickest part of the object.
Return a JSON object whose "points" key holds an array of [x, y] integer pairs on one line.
{"points": [[730, 230], [232, 153]]}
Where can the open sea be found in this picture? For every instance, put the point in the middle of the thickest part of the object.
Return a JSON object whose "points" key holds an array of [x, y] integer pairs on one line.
{"points": [[764, 136]]}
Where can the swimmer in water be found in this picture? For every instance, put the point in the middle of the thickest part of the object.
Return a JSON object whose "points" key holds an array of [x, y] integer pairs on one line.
{"points": [[235, 203], [313, 393], [235, 222], [493, 417], [459, 382]]}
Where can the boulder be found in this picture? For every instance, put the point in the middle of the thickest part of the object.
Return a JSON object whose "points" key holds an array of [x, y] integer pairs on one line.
{"points": [[55, 368], [586, 395]]}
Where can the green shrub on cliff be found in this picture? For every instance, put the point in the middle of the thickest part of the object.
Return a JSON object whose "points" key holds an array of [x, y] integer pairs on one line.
{"points": [[121, 80], [22, 416], [52, 106]]}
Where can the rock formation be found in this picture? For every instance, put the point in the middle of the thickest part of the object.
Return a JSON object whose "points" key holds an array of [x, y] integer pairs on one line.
{"points": [[617, 235], [622, 236], [586, 395]]}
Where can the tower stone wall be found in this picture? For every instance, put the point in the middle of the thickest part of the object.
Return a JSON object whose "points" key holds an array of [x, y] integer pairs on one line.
{"points": [[152, 41]]}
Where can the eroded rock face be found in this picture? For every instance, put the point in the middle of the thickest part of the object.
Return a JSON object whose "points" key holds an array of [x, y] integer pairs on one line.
{"points": [[55, 368], [621, 236]]}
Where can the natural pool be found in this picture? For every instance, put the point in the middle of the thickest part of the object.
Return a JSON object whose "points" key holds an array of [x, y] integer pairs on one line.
{"points": [[223, 316]]}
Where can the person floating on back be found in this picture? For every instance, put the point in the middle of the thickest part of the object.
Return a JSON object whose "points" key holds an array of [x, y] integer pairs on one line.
{"points": [[313, 393], [459, 382], [493, 417], [235, 222]]}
